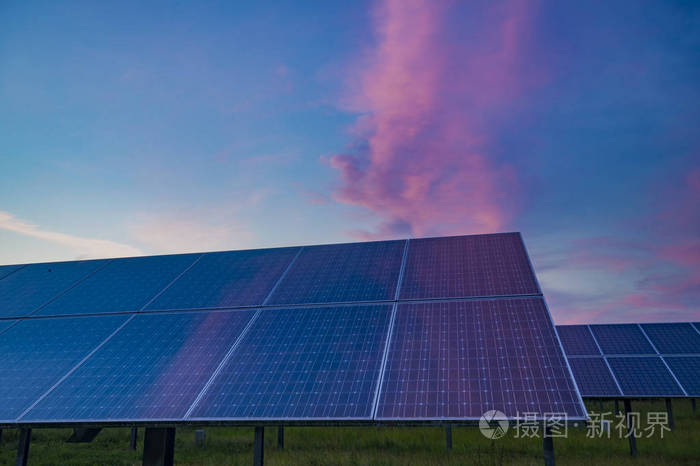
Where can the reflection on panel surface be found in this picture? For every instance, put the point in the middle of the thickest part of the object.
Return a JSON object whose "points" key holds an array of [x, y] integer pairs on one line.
{"points": [[593, 377], [153, 368], [227, 279], [673, 338], [302, 363], [460, 359], [644, 376], [123, 285], [342, 272], [622, 339], [687, 371], [467, 266], [36, 353], [577, 340], [23, 291]]}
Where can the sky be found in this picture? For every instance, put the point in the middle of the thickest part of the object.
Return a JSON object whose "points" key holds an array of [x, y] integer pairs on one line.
{"points": [[129, 128]]}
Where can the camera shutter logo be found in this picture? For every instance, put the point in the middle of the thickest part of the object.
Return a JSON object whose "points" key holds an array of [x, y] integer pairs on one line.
{"points": [[493, 424]]}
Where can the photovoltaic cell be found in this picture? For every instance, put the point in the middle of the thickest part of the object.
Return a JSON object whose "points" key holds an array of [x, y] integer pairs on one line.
{"points": [[36, 353], [687, 371], [6, 270], [644, 376], [342, 272], [467, 266], [124, 285], [460, 359], [23, 291], [673, 338], [6, 324], [577, 340], [593, 377], [227, 279], [151, 369], [622, 339], [311, 363]]}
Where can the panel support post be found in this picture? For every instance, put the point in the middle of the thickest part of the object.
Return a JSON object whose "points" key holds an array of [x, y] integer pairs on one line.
{"points": [[280, 438], [548, 446], [630, 428], [692, 403], [601, 406], [134, 437], [259, 446], [25, 438], [617, 406], [669, 411], [448, 437], [0, 435], [200, 437], [159, 446]]}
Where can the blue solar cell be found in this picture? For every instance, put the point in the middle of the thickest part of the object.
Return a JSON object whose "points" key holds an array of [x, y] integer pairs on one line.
{"points": [[644, 376], [36, 353], [622, 339], [6, 270], [153, 368], [227, 279], [468, 266], [23, 291], [342, 272], [673, 338], [577, 340], [318, 363], [593, 377], [687, 371], [124, 285], [460, 359], [4, 324]]}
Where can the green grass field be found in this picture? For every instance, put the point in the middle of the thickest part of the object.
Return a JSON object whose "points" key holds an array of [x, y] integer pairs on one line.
{"points": [[375, 446]]}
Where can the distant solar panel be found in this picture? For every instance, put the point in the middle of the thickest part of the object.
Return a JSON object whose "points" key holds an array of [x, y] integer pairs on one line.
{"points": [[36, 353], [23, 291], [151, 369], [460, 359], [468, 266], [622, 339], [123, 285], [577, 340], [644, 376], [673, 338], [227, 279], [687, 371], [342, 272], [6, 270], [302, 363], [593, 377]]}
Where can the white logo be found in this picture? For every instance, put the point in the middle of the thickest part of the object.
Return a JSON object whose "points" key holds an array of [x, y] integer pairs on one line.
{"points": [[493, 424]]}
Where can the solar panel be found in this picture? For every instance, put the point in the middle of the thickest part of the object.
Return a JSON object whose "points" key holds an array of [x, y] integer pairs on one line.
{"points": [[644, 376], [227, 279], [593, 377], [468, 266], [310, 363], [153, 368], [33, 285], [36, 353], [577, 340], [673, 338], [6, 270], [460, 359], [687, 371], [4, 324], [123, 285], [342, 272], [622, 339]]}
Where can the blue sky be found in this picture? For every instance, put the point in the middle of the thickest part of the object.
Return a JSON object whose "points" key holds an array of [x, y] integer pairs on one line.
{"points": [[128, 129]]}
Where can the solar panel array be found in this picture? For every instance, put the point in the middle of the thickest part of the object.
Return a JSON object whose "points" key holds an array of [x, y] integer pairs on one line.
{"points": [[634, 360], [406, 330]]}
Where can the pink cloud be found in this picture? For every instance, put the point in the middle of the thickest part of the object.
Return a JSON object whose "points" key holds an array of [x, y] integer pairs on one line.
{"points": [[424, 167]]}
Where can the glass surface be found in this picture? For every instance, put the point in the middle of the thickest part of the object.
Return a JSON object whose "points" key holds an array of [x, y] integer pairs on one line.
{"points": [[153, 368], [622, 339], [227, 279], [461, 359], [25, 290], [302, 363], [467, 266], [593, 377], [36, 353], [687, 371], [6, 270], [341, 273], [577, 340], [644, 376], [674, 338]]}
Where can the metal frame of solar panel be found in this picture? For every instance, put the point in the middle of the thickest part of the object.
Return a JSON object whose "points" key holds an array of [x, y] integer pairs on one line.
{"points": [[325, 335], [647, 360]]}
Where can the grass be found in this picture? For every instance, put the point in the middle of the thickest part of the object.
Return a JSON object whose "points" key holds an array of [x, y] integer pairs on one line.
{"points": [[375, 446]]}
